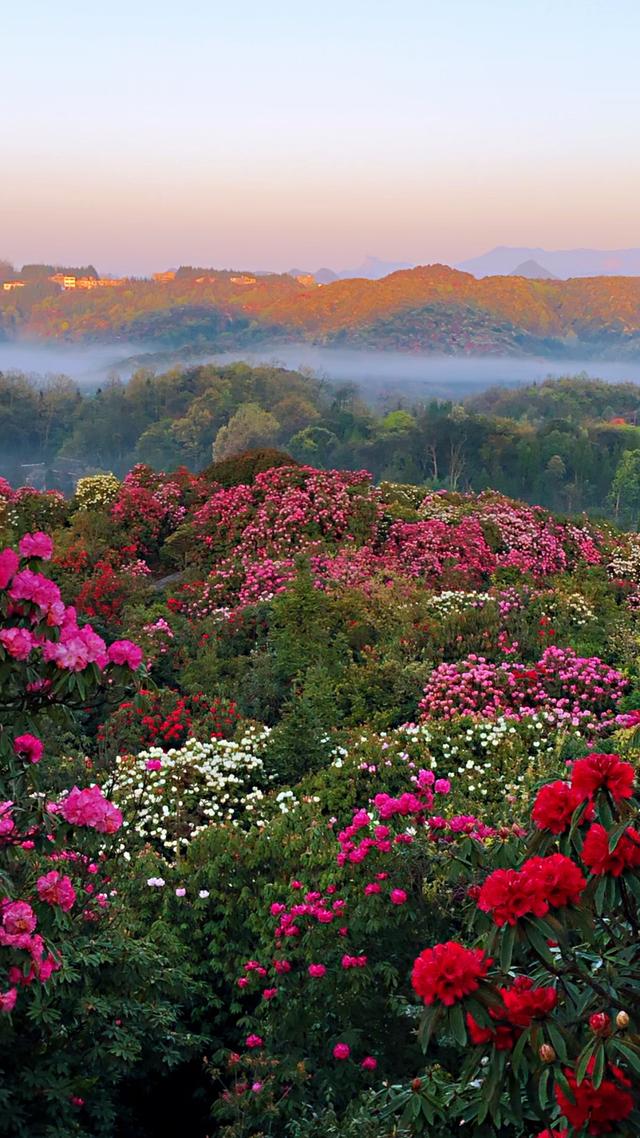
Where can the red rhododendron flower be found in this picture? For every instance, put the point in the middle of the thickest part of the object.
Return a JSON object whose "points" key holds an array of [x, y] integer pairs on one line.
{"points": [[607, 771], [509, 895], [8, 1000], [557, 878], [596, 856], [502, 1037], [523, 1002], [601, 1109], [554, 806], [448, 972]]}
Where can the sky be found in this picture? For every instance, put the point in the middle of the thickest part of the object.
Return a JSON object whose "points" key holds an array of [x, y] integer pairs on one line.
{"points": [[144, 134]]}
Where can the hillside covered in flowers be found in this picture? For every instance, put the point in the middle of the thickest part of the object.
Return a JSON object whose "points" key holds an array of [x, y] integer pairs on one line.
{"points": [[318, 810]]}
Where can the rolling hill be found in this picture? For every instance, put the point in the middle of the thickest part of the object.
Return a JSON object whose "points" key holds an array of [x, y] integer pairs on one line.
{"points": [[429, 308]]}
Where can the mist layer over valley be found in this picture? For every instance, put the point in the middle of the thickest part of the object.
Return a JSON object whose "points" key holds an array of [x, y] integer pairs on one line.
{"points": [[378, 374]]}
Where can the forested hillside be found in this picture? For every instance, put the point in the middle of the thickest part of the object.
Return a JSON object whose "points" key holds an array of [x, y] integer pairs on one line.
{"points": [[430, 308], [570, 444]]}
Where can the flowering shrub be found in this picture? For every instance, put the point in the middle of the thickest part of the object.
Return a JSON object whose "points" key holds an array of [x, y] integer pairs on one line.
{"points": [[345, 934], [544, 1023], [112, 583], [163, 718], [578, 691], [46, 661], [149, 506], [96, 490], [168, 797]]}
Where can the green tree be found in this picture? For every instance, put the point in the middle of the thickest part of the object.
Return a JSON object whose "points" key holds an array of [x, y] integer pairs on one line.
{"points": [[625, 488], [250, 427]]}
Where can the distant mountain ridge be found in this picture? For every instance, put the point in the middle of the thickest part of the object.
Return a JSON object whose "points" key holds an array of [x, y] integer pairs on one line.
{"points": [[371, 269], [431, 308], [533, 272], [561, 263]]}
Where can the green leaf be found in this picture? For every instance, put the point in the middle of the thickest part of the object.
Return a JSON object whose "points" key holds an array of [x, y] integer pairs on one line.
{"points": [[631, 1054], [557, 1041], [507, 946], [583, 1059], [543, 1085], [598, 1067], [456, 1022]]}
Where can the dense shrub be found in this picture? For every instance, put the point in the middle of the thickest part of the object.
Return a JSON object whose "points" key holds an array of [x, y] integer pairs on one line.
{"points": [[243, 468]]}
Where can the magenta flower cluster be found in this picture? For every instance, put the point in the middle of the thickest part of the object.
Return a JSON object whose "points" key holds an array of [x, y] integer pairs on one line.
{"points": [[569, 689]]}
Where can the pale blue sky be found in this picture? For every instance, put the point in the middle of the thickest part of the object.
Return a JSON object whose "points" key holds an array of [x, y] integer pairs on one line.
{"points": [[141, 134]]}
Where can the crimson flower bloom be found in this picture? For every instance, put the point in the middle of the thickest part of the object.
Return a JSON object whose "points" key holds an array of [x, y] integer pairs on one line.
{"points": [[601, 1109], [448, 972], [603, 771], [557, 878], [509, 895], [554, 806], [596, 856]]}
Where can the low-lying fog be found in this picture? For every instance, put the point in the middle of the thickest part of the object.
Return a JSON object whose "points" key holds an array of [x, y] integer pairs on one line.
{"points": [[416, 376]]}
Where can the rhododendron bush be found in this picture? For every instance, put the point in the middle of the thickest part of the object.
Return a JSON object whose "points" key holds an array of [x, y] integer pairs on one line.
{"points": [[48, 661], [582, 693], [546, 1002], [57, 892]]}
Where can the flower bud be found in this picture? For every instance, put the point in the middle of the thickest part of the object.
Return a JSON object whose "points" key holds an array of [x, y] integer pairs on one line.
{"points": [[600, 1023], [416, 1085], [622, 1020], [546, 1053]]}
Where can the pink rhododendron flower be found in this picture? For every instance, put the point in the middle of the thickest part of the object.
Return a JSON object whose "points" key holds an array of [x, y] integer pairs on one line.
{"points": [[397, 896], [125, 653], [28, 747], [18, 918], [341, 1051], [369, 1063], [153, 764], [56, 889], [17, 642], [36, 545], [90, 808], [9, 565], [8, 1000], [7, 824], [317, 970], [254, 1041]]}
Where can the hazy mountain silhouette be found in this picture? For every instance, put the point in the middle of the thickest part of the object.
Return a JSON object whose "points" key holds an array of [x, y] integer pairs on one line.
{"points": [[562, 263], [371, 269], [533, 272]]}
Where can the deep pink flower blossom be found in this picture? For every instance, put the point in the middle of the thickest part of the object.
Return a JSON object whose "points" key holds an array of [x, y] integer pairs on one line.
{"points": [[36, 545], [90, 808], [17, 642], [9, 565], [56, 889], [28, 747], [125, 653]]}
